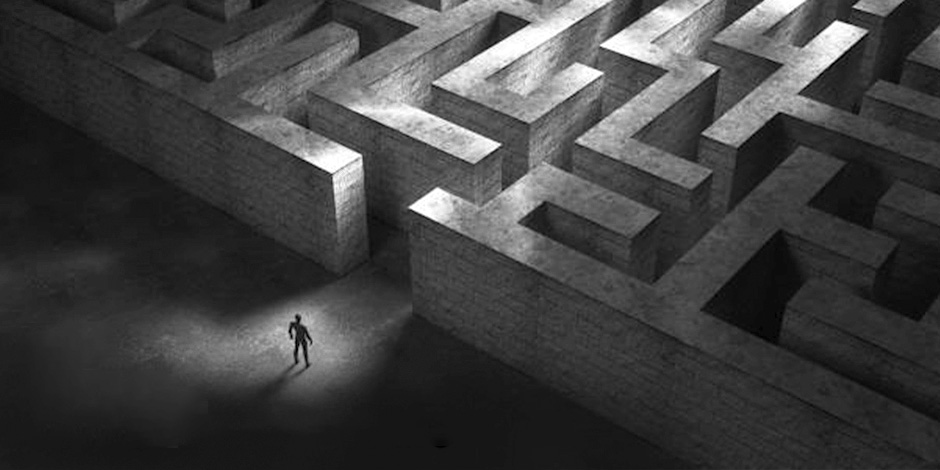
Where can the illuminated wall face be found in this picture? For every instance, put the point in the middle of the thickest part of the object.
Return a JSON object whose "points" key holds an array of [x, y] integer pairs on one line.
{"points": [[715, 222]]}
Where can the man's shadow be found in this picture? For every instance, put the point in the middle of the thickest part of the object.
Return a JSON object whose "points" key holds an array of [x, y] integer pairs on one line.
{"points": [[276, 384], [254, 406]]}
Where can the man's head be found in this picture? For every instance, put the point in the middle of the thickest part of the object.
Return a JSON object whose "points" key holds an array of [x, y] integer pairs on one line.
{"points": [[297, 318]]}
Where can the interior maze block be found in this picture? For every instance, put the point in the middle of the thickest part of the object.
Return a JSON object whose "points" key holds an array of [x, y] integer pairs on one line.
{"points": [[764, 39], [891, 354], [517, 223], [744, 143], [491, 100], [790, 108], [210, 50], [894, 29], [824, 246], [278, 81], [440, 5], [222, 10], [661, 99], [296, 186], [922, 67], [608, 227], [104, 15], [576, 213], [377, 107], [536, 99], [614, 343], [931, 318], [912, 216], [744, 273], [903, 108]]}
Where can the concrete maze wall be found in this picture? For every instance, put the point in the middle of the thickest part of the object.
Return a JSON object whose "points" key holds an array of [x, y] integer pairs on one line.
{"points": [[715, 222]]}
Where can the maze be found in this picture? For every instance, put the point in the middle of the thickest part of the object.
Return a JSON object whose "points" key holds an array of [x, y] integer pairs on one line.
{"points": [[714, 222]]}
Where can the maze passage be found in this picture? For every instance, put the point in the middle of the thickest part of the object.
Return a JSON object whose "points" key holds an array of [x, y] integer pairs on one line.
{"points": [[714, 222]]}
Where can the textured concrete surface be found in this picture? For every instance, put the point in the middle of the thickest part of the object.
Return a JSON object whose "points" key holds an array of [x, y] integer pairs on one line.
{"points": [[658, 100], [682, 172], [802, 188], [142, 328], [695, 349], [535, 99], [896, 356]]}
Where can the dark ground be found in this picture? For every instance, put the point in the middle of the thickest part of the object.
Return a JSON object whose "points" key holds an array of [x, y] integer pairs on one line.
{"points": [[141, 328]]}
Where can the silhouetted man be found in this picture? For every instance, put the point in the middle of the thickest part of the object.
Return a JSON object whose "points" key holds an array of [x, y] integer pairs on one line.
{"points": [[298, 332]]}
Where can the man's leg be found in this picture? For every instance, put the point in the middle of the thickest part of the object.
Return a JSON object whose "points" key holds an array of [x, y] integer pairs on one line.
{"points": [[306, 359], [297, 345]]}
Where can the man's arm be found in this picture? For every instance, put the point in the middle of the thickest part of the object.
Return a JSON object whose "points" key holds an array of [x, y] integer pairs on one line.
{"points": [[290, 331]]}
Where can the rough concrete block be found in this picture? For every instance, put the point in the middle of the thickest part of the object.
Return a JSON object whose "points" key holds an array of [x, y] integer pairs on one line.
{"points": [[903, 108], [875, 346], [922, 67]]}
